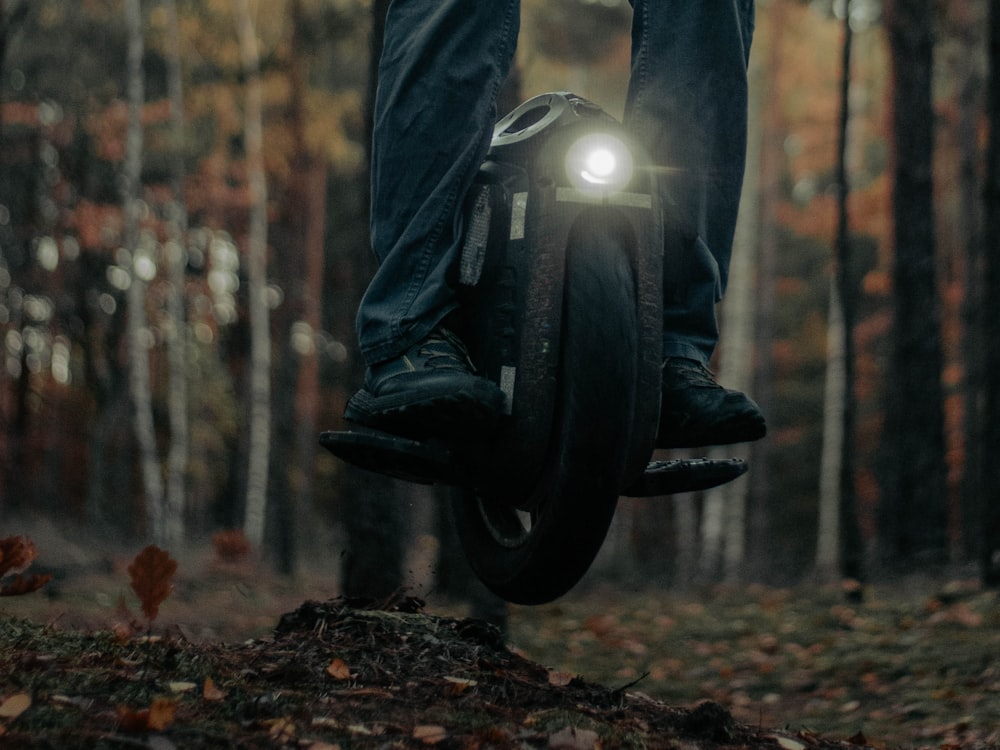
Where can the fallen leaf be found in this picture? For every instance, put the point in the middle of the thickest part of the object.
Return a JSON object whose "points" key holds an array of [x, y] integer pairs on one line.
{"points": [[14, 705], [161, 713], [282, 729], [20, 585], [571, 738], [429, 734], [788, 743], [457, 685], [210, 692], [559, 679], [156, 718], [16, 554], [338, 670], [181, 687], [152, 571]]}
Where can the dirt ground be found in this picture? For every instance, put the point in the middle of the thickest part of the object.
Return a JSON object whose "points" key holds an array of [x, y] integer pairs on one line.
{"points": [[240, 658], [334, 674]]}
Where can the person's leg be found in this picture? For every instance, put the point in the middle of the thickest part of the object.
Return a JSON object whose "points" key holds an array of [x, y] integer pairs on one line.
{"points": [[442, 64], [687, 104]]}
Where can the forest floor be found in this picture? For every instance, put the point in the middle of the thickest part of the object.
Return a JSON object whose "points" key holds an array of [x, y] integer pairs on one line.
{"points": [[239, 658]]}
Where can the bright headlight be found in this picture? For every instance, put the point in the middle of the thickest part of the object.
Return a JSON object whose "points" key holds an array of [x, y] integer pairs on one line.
{"points": [[599, 162]]}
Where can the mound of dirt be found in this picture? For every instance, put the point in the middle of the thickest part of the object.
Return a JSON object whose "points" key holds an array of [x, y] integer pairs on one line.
{"points": [[335, 674]]}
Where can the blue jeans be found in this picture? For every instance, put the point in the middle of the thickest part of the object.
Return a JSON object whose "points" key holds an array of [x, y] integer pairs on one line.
{"points": [[441, 67]]}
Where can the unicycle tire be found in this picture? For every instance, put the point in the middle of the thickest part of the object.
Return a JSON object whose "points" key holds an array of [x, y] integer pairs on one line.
{"points": [[535, 549]]}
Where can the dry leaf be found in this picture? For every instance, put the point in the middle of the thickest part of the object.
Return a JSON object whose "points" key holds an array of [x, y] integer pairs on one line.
{"points": [[181, 687], [152, 571], [161, 713], [156, 718], [571, 738], [24, 584], [282, 729], [787, 742], [210, 692], [429, 734], [16, 554], [559, 679], [14, 705], [457, 685], [338, 670]]}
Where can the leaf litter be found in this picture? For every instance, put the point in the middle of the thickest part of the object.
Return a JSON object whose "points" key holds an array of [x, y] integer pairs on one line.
{"points": [[407, 679], [715, 667]]}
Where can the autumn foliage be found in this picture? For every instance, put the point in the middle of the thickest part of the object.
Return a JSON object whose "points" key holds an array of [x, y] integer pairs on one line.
{"points": [[16, 555], [152, 572]]}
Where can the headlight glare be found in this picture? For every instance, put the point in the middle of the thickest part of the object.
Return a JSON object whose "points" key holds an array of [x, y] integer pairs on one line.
{"points": [[599, 161]]}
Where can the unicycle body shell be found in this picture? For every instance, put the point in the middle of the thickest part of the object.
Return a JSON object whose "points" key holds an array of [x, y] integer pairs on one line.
{"points": [[513, 315], [565, 313]]}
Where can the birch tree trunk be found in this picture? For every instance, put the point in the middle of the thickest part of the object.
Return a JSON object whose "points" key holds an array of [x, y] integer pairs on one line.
{"points": [[176, 257], [142, 270], [260, 338], [837, 412]]}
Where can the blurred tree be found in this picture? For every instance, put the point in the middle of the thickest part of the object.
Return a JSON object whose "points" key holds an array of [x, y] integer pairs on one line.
{"points": [[990, 550], [913, 514], [260, 336], [142, 270], [176, 259], [838, 549]]}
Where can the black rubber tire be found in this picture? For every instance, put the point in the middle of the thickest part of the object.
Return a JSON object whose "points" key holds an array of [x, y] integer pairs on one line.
{"points": [[534, 556]]}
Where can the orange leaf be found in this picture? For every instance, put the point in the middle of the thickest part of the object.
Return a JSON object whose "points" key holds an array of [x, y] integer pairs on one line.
{"points": [[14, 705], [161, 713], [24, 584], [159, 716], [16, 554], [152, 571], [210, 692], [338, 670]]}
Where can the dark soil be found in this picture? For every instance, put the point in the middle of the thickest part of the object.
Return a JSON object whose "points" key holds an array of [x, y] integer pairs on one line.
{"points": [[334, 674]]}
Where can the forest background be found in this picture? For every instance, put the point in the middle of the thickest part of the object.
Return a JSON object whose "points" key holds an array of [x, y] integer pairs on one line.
{"points": [[183, 243]]}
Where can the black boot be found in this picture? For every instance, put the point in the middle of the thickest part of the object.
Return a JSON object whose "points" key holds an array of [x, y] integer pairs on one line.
{"points": [[432, 390], [696, 411]]}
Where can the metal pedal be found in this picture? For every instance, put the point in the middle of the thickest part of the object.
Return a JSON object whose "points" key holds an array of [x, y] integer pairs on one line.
{"points": [[685, 475]]}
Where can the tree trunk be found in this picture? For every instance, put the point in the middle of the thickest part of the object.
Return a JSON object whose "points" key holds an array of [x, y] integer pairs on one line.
{"points": [[838, 546], [142, 270], [913, 516], [990, 555], [971, 104], [372, 563], [176, 256], [260, 337]]}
